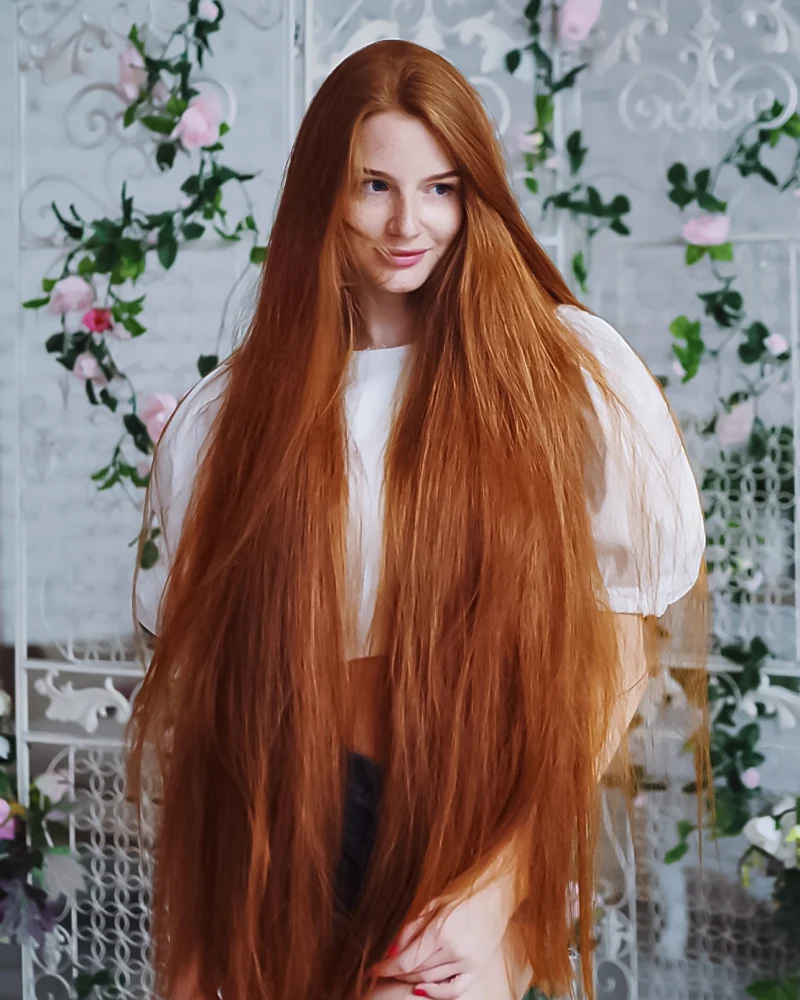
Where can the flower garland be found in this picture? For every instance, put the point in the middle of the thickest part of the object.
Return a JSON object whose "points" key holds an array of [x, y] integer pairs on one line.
{"points": [[39, 876], [745, 441], [583, 202], [106, 256]]}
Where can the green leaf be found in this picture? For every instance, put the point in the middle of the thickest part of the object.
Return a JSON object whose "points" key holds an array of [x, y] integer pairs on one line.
{"points": [[702, 179], [681, 197], [568, 79], [575, 151], [767, 174], [175, 106], [513, 59], [722, 252], [130, 116], [530, 183], [775, 989], [48, 284], [165, 155], [206, 364], [55, 344], [620, 205], [532, 9], [709, 203], [791, 126], [619, 227], [133, 424], [86, 266], [250, 223], [694, 254], [596, 206], [191, 185], [224, 128], [544, 110], [675, 853], [193, 230], [167, 247], [149, 555], [685, 828], [36, 303], [678, 175], [133, 326], [579, 270], [108, 400], [73, 231], [158, 123], [258, 255]]}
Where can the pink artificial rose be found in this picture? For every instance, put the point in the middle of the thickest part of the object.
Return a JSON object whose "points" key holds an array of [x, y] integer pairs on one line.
{"points": [[208, 10], [8, 823], [156, 412], [71, 294], [751, 778], [98, 320], [143, 467], [576, 18], [87, 369], [776, 344], [527, 141], [132, 74], [708, 230], [199, 123], [734, 427]]}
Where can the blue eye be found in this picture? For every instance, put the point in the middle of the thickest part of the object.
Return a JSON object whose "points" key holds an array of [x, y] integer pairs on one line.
{"points": [[443, 189], [375, 180]]}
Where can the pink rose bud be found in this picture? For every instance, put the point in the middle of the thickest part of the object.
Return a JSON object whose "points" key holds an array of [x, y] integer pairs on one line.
{"points": [[576, 18], [708, 230], [8, 823], [199, 123], [751, 778], [208, 10], [155, 413], [143, 467], [528, 141], [98, 320], [734, 427], [71, 294], [776, 344], [87, 369], [132, 74], [678, 368]]}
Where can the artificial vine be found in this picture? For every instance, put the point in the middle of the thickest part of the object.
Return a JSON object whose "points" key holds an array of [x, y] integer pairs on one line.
{"points": [[746, 443], [581, 200], [107, 256]]}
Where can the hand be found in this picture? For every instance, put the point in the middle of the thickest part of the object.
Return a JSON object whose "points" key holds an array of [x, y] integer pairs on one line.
{"points": [[445, 960]]}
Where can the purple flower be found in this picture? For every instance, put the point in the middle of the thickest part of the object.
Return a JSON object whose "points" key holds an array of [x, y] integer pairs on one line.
{"points": [[751, 778]]}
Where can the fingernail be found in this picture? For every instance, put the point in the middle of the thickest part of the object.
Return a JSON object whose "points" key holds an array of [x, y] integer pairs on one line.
{"points": [[393, 950], [419, 992]]}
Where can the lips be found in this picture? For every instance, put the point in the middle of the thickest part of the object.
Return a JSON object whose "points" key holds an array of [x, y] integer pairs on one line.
{"points": [[404, 258]]}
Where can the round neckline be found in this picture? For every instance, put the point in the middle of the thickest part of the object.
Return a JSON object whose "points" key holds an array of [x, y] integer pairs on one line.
{"points": [[379, 359]]}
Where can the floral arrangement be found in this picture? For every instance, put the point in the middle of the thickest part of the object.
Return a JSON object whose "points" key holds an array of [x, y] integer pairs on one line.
{"points": [[39, 875], [583, 202], [93, 295]]}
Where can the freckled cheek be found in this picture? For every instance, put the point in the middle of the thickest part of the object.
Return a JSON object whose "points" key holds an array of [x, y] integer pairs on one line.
{"points": [[443, 222]]}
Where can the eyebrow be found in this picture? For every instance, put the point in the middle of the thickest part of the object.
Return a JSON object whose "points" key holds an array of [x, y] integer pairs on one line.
{"points": [[434, 177]]}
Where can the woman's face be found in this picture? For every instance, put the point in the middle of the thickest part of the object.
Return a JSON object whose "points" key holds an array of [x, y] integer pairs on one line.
{"points": [[406, 210]]}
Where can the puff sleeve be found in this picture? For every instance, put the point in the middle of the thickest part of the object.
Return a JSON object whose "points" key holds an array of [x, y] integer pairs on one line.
{"points": [[177, 458], [647, 518]]}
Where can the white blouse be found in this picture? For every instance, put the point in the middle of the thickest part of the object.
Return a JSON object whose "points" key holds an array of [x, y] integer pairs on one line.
{"points": [[672, 534]]}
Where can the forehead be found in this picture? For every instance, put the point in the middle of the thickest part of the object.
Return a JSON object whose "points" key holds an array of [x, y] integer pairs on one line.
{"points": [[400, 145]]}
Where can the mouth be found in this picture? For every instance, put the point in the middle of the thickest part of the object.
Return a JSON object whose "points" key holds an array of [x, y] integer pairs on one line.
{"points": [[403, 258]]}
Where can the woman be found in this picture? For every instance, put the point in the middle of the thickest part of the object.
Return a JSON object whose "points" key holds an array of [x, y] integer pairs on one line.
{"points": [[412, 527]]}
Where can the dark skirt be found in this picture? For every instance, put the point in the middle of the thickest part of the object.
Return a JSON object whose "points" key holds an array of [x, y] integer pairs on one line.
{"points": [[360, 823]]}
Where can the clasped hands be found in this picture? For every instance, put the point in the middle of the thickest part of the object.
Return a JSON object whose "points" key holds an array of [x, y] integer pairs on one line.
{"points": [[445, 960]]}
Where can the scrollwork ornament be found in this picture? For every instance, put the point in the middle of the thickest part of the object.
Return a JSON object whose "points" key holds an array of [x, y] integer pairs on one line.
{"points": [[84, 706], [57, 59], [706, 102], [782, 28]]}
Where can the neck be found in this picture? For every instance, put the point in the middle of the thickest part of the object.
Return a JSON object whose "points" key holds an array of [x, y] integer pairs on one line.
{"points": [[388, 318]]}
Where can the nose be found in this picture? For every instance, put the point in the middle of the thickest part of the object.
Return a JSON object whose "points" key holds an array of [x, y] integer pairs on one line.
{"points": [[403, 221]]}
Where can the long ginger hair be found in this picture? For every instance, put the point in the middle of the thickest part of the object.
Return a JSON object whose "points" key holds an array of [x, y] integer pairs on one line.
{"points": [[501, 663]]}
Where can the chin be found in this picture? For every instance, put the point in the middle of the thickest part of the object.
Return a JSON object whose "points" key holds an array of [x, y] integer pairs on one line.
{"points": [[402, 284]]}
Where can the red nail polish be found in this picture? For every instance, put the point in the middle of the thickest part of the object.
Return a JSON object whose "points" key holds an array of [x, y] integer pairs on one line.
{"points": [[393, 950], [419, 992]]}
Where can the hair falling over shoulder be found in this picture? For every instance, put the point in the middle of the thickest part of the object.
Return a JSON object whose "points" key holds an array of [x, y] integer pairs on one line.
{"points": [[502, 665]]}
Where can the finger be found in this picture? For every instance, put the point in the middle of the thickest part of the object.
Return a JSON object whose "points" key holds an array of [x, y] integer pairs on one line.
{"points": [[434, 974], [446, 991], [417, 956]]}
